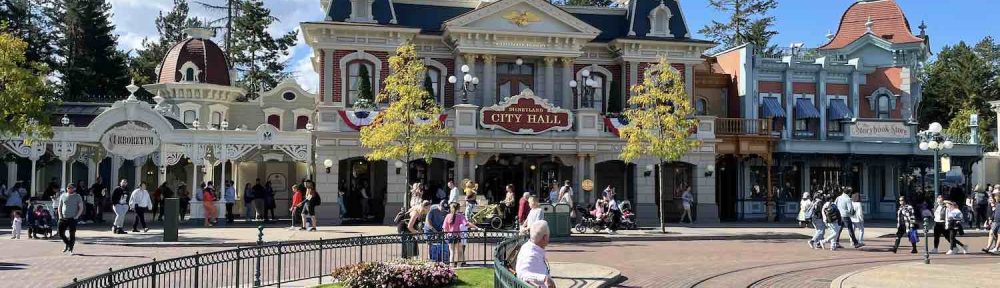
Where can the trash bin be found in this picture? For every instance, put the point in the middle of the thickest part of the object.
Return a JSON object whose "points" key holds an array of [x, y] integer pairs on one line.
{"points": [[562, 221]]}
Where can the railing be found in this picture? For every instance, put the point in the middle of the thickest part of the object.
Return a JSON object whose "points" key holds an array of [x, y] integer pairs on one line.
{"points": [[503, 277], [283, 262], [742, 127]]}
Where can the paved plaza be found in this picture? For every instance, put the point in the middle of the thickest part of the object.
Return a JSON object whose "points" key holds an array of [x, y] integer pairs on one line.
{"points": [[741, 254]]}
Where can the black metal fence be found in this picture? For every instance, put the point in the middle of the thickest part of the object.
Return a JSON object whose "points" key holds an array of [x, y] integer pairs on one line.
{"points": [[283, 262], [503, 276]]}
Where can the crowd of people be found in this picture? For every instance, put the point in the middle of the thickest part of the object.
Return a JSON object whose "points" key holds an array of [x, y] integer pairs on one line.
{"points": [[949, 214]]}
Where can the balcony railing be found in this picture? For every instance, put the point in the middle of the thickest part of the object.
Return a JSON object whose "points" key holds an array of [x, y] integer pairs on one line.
{"points": [[742, 127]]}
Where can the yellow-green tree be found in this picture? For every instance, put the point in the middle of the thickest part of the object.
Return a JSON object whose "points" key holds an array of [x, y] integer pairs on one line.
{"points": [[24, 95], [659, 121], [409, 128]]}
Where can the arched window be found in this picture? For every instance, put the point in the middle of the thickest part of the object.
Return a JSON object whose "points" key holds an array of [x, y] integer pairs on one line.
{"points": [[189, 116], [301, 121], [434, 77], [600, 94], [358, 71], [883, 107], [217, 119], [274, 120], [189, 75], [701, 106], [659, 21]]}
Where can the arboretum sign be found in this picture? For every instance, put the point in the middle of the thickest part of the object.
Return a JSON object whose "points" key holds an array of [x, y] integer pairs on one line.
{"points": [[130, 140], [525, 114]]}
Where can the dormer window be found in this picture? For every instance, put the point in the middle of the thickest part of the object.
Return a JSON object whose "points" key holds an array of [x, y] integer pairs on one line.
{"points": [[361, 11], [189, 72], [659, 21]]}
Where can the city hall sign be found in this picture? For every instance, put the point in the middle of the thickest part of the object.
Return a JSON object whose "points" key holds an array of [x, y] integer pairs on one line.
{"points": [[525, 114], [130, 140]]}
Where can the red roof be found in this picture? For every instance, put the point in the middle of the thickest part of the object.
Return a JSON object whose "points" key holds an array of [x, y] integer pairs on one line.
{"points": [[204, 53], [889, 22]]}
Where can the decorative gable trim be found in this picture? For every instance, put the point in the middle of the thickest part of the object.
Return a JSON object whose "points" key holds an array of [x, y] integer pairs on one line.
{"points": [[654, 29], [873, 98], [543, 6]]}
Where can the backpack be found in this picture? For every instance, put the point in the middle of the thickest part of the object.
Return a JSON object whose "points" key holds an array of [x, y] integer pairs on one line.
{"points": [[831, 212], [401, 217], [317, 200], [817, 210]]}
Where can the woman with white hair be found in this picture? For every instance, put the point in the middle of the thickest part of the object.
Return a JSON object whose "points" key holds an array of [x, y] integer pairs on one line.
{"points": [[805, 210]]}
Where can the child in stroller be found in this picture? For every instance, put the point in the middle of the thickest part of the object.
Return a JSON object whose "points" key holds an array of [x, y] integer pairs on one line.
{"points": [[597, 219], [628, 217], [40, 221]]}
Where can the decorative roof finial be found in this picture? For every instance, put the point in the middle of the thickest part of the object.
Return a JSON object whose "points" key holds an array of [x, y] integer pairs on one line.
{"points": [[869, 24], [131, 90], [923, 28], [829, 35]]}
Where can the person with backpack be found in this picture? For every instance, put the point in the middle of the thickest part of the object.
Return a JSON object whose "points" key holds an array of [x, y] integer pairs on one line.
{"points": [[832, 218], [408, 222], [906, 224], [814, 210], [846, 207]]}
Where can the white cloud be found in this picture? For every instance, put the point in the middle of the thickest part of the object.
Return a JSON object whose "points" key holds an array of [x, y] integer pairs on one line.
{"points": [[303, 71]]}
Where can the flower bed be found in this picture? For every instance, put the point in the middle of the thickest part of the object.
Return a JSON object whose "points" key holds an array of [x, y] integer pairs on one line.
{"points": [[398, 273]]}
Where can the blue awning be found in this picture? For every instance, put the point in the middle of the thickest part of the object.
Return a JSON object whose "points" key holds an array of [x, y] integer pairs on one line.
{"points": [[838, 110], [804, 109], [771, 108]]}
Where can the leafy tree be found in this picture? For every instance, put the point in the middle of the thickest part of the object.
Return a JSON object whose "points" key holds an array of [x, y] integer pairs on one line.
{"points": [[395, 135], [93, 68], [256, 55], [614, 98], [961, 78], [746, 23], [659, 121], [958, 128], [366, 99], [142, 67], [23, 91], [31, 21]]}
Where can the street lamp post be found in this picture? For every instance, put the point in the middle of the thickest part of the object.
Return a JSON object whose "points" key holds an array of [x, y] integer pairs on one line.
{"points": [[469, 83], [586, 92], [933, 139]]}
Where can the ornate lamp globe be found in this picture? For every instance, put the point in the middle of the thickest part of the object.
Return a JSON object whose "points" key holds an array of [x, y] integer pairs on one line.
{"points": [[948, 144], [933, 145], [935, 127], [923, 146], [452, 79]]}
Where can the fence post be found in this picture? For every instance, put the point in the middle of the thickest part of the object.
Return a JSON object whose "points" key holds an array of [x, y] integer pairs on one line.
{"points": [[484, 246], [279, 263], [109, 280], [197, 266], [361, 248], [154, 273], [260, 241], [239, 259], [320, 261]]}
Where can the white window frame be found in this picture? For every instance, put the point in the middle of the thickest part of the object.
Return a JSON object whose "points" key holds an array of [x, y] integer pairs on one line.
{"points": [[705, 108], [188, 106], [442, 77], [282, 95], [220, 108], [345, 76], [606, 86], [812, 100], [190, 65], [830, 123], [656, 13], [301, 112], [275, 111]]}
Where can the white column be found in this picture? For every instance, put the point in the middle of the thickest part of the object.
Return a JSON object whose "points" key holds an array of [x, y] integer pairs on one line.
{"points": [[138, 163], [63, 177], [470, 59], [591, 175], [489, 83], [11, 173], [822, 99], [789, 106], [550, 81], [92, 166], [689, 80], [459, 168], [116, 164], [34, 177], [567, 75], [472, 166]]}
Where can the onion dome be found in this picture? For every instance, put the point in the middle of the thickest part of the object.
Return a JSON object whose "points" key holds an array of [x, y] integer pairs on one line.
{"points": [[195, 60]]}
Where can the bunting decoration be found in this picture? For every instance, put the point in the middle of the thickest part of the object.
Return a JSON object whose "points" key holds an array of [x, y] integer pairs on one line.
{"points": [[357, 119], [613, 123], [441, 118]]}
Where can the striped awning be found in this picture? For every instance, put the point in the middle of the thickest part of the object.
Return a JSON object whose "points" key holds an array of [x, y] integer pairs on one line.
{"points": [[771, 108], [838, 110], [804, 109]]}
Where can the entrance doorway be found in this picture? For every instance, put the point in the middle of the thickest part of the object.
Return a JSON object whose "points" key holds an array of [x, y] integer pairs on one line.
{"points": [[363, 183], [528, 173], [617, 174], [434, 176], [676, 177]]}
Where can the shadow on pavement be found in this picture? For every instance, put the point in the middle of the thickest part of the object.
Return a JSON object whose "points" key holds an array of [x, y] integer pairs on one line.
{"points": [[4, 266]]}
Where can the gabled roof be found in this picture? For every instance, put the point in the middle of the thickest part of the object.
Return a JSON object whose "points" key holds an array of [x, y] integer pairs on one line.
{"points": [[640, 17], [888, 23], [545, 7]]}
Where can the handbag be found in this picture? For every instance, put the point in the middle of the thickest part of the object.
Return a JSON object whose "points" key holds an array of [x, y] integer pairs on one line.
{"points": [[912, 235]]}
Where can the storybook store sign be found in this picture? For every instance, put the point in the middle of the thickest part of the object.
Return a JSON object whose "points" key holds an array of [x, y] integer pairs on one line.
{"points": [[875, 129], [525, 114]]}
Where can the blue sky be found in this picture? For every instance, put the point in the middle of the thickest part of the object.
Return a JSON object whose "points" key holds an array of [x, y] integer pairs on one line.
{"points": [[806, 21]]}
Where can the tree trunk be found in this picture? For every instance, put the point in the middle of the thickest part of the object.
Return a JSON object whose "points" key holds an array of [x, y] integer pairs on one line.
{"points": [[662, 206], [406, 184]]}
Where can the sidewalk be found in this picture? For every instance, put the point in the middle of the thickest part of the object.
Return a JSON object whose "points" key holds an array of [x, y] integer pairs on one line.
{"points": [[921, 275]]}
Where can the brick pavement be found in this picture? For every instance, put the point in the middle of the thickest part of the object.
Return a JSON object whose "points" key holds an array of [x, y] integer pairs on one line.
{"points": [[737, 263]]}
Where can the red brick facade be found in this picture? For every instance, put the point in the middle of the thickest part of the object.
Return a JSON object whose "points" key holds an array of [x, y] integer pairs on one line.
{"points": [[770, 87], [803, 88], [838, 89], [887, 77], [449, 89], [322, 77]]}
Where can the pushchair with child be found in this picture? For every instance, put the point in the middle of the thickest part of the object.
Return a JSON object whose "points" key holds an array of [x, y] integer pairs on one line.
{"points": [[39, 220]]}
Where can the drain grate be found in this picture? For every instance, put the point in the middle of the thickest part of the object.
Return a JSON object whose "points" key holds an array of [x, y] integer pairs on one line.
{"points": [[823, 280]]}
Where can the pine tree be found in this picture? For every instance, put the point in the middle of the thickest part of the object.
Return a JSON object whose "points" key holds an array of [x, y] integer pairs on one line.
{"points": [[429, 87], [747, 22], [366, 99], [143, 67], [394, 135], [614, 98], [93, 68], [255, 53]]}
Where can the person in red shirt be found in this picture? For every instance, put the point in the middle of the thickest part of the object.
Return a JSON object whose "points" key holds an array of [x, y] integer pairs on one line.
{"points": [[523, 208], [297, 199]]}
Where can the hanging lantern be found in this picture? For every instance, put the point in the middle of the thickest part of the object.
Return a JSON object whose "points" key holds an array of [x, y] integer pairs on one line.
{"points": [[945, 163]]}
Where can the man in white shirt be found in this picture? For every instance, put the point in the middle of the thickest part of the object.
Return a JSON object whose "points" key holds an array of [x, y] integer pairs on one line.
{"points": [[140, 203], [455, 194], [531, 267]]}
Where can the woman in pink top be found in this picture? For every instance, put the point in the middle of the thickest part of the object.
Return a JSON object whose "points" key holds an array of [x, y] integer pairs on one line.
{"points": [[453, 226]]}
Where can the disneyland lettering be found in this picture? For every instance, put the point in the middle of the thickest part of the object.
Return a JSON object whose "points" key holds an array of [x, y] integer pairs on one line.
{"points": [[525, 115]]}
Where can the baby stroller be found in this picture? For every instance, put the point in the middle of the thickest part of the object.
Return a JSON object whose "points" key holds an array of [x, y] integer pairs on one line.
{"points": [[586, 220], [39, 220], [628, 217], [493, 216]]}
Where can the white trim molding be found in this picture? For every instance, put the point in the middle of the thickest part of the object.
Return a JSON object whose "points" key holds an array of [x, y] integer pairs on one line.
{"points": [[301, 112], [185, 67], [345, 76], [188, 106], [275, 111], [660, 11], [442, 77]]}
